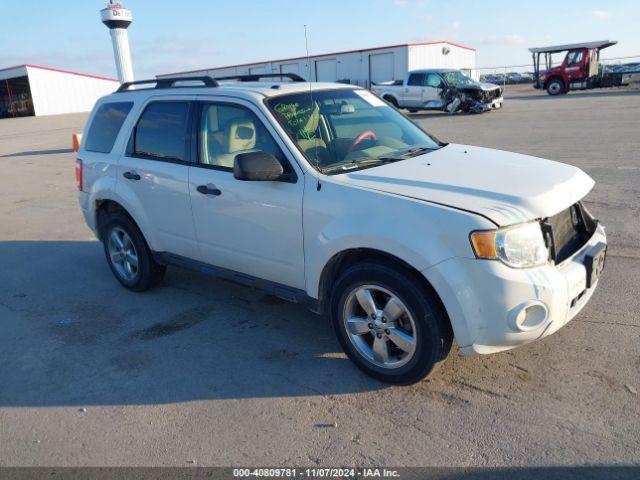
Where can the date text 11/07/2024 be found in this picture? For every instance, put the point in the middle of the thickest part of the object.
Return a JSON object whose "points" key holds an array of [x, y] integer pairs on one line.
{"points": [[315, 473]]}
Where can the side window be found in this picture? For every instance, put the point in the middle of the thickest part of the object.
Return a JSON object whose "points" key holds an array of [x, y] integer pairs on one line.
{"points": [[416, 80], [434, 80], [161, 132], [106, 125], [228, 130], [575, 57]]}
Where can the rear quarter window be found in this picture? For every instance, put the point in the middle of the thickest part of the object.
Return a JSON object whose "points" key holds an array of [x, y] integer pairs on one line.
{"points": [[106, 125]]}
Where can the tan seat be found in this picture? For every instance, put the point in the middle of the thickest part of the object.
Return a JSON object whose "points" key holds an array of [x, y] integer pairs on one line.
{"points": [[238, 137], [313, 146], [212, 136]]}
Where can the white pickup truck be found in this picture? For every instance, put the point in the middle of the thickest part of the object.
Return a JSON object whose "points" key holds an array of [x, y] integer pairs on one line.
{"points": [[440, 89]]}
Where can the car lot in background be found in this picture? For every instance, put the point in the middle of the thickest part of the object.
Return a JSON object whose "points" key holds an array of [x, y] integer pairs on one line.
{"points": [[207, 372], [510, 78]]}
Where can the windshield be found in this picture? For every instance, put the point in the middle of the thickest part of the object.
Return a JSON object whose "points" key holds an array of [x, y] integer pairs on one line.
{"points": [[456, 78], [346, 129]]}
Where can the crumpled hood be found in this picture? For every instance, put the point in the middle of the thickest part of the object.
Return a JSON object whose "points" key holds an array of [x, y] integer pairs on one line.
{"points": [[487, 87], [505, 187]]}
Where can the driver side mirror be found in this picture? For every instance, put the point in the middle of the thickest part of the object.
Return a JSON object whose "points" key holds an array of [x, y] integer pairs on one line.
{"points": [[258, 167]]}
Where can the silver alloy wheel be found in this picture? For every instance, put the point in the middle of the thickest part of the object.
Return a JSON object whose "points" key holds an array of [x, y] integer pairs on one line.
{"points": [[380, 326], [122, 252]]}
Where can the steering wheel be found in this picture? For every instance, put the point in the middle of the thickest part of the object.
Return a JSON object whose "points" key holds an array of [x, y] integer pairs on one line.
{"points": [[360, 138]]}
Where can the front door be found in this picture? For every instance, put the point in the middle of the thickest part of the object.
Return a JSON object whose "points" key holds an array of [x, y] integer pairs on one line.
{"points": [[153, 175], [250, 227], [432, 93], [576, 65]]}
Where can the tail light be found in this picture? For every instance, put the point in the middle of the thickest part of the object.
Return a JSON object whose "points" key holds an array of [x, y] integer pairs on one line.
{"points": [[79, 174]]}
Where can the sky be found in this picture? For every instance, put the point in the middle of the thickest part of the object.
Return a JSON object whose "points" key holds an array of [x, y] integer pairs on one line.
{"points": [[189, 34]]}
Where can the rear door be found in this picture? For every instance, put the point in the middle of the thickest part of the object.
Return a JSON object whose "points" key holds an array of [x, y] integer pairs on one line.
{"points": [[413, 90], [250, 227], [153, 174]]}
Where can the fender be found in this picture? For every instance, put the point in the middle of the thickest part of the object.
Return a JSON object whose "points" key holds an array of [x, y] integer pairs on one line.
{"points": [[555, 77], [399, 228], [104, 189]]}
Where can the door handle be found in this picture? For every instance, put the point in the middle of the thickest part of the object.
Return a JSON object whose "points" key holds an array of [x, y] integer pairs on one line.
{"points": [[209, 189], [131, 176]]}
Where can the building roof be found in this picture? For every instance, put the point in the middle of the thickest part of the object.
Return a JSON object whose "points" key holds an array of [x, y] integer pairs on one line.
{"points": [[52, 69], [416, 44], [573, 46]]}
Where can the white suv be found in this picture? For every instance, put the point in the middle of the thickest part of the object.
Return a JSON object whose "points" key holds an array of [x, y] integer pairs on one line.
{"points": [[326, 195]]}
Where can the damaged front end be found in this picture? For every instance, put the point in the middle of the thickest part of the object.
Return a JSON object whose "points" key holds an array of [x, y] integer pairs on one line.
{"points": [[471, 98]]}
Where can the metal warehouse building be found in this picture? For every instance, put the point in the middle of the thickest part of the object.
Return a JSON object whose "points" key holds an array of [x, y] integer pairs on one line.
{"points": [[28, 90], [359, 67]]}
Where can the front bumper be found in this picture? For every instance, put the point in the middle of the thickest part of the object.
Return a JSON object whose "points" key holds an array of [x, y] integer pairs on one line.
{"points": [[494, 104], [482, 298]]}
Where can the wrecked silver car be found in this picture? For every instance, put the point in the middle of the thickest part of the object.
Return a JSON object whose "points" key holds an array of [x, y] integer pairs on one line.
{"points": [[440, 89]]}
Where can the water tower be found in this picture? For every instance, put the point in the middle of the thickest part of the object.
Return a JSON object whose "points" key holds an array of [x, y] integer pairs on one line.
{"points": [[117, 19]]}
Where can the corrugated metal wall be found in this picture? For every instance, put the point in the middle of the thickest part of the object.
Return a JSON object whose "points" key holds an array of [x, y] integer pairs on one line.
{"points": [[442, 56], [355, 67]]}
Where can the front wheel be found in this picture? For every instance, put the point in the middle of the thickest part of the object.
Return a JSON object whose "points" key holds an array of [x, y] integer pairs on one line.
{"points": [[555, 87], [392, 101], [392, 327]]}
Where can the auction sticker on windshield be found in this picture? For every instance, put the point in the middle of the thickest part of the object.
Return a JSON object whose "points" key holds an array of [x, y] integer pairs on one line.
{"points": [[370, 98]]}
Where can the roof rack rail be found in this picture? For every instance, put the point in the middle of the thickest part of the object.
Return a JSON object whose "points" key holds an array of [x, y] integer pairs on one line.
{"points": [[254, 77], [169, 82]]}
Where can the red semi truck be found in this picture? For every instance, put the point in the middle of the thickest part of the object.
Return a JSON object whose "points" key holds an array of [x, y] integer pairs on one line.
{"points": [[580, 69]]}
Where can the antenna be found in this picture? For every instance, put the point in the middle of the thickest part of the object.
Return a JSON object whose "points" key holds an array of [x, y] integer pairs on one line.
{"points": [[315, 146]]}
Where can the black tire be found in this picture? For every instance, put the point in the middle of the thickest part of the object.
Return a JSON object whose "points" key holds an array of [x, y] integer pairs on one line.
{"points": [[392, 101], [149, 273], [433, 330], [412, 110], [555, 87]]}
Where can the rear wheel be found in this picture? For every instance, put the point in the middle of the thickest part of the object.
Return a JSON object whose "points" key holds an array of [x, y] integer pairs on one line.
{"points": [[555, 87], [128, 254], [388, 324]]}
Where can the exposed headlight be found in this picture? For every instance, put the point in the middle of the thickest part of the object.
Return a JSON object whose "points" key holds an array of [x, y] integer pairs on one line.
{"points": [[518, 246]]}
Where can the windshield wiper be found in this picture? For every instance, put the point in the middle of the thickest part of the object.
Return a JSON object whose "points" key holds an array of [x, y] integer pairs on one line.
{"points": [[412, 152], [364, 161], [358, 162]]}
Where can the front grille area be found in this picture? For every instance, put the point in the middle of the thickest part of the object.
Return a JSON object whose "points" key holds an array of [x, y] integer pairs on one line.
{"points": [[489, 96], [568, 231]]}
